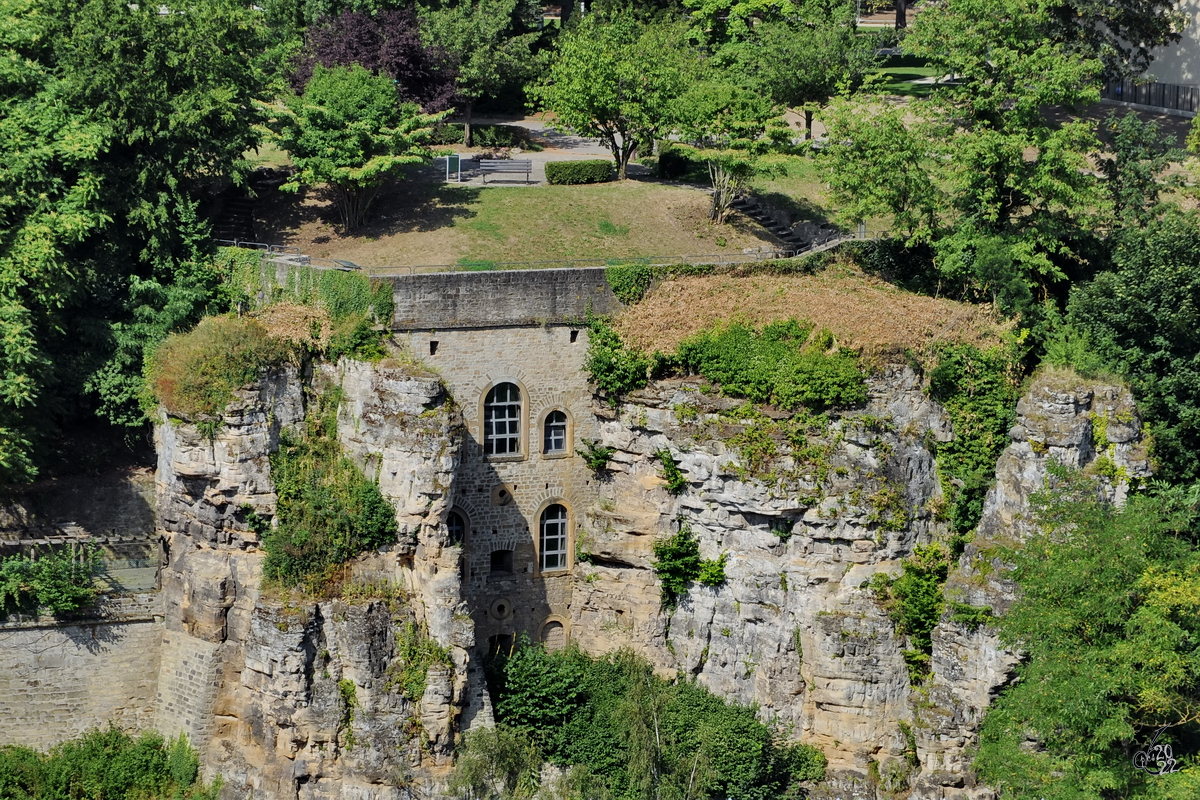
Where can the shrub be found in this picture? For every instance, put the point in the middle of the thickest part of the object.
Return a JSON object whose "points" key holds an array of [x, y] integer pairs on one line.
{"points": [[103, 764], [676, 480], [637, 735], [575, 172], [914, 603], [712, 571], [194, 374], [782, 363], [676, 563], [418, 651], [613, 367], [328, 511], [595, 455], [629, 282], [674, 163], [59, 582]]}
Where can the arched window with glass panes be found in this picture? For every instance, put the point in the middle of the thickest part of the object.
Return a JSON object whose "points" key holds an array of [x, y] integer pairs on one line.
{"points": [[502, 420], [553, 538], [554, 433], [456, 528]]}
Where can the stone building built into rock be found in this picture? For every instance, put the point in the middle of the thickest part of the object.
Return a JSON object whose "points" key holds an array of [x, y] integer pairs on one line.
{"points": [[505, 530]]}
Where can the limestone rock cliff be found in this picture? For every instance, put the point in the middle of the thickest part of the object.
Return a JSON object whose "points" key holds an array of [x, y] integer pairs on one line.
{"points": [[794, 627], [294, 697]]}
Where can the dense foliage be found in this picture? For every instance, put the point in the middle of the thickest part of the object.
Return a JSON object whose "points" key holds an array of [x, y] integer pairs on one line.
{"points": [[113, 117], [677, 563], [349, 131], [914, 602], [328, 511], [978, 389], [194, 374], [784, 363], [58, 581], [1143, 320], [105, 765], [639, 736], [1107, 617], [574, 172]]}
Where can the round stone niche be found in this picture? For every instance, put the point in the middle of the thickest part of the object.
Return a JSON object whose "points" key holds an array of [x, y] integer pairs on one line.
{"points": [[501, 609], [501, 495]]}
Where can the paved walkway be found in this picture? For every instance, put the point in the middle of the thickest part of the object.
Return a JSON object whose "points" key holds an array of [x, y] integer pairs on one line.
{"points": [[562, 147]]}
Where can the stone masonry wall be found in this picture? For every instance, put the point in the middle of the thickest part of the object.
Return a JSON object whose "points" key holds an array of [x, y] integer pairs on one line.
{"points": [[59, 680], [501, 498]]}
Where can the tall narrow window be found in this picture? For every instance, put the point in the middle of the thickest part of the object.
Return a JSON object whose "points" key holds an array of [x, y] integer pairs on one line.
{"points": [[502, 420], [456, 528], [554, 437], [554, 538]]}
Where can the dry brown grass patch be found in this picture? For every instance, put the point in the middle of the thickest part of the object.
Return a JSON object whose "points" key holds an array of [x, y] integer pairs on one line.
{"points": [[861, 311], [295, 323]]}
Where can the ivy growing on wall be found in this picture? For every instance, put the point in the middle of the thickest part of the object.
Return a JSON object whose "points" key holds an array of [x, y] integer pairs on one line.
{"points": [[978, 389]]}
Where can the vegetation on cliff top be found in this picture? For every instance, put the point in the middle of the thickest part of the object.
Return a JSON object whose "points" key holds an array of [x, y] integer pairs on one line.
{"points": [[195, 374], [624, 733], [106, 765]]}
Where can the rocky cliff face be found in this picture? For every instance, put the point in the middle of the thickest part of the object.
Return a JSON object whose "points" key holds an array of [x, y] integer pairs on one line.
{"points": [[292, 697], [289, 696], [794, 628]]}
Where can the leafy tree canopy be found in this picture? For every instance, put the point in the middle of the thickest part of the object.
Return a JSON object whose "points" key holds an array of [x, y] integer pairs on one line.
{"points": [[1143, 319], [348, 131], [387, 44], [619, 81], [1107, 619], [488, 42], [112, 116]]}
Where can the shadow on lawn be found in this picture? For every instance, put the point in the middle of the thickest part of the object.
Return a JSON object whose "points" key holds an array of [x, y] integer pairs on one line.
{"points": [[420, 201]]}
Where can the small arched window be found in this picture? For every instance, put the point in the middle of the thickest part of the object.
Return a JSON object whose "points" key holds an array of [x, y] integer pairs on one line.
{"points": [[554, 538], [456, 528], [554, 435], [502, 420]]}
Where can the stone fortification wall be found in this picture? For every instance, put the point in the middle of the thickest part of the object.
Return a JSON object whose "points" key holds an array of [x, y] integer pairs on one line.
{"points": [[501, 498], [60, 679], [496, 299]]}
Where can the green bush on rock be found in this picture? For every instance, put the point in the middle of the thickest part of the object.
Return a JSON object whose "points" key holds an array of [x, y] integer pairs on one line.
{"points": [[194, 374], [328, 511], [629, 733]]}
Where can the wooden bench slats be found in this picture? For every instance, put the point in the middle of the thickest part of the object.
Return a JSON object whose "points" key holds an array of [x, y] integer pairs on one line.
{"points": [[489, 165]]}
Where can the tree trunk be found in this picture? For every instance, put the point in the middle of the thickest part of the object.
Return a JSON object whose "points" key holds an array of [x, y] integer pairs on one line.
{"points": [[901, 14], [467, 125], [808, 118]]}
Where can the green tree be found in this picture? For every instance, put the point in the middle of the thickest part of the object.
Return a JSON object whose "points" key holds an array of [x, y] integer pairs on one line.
{"points": [[112, 118], [1143, 319], [1108, 617], [1138, 153], [348, 131], [734, 127], [486, 47], [619, 81], [878, 165], [801, 63]]}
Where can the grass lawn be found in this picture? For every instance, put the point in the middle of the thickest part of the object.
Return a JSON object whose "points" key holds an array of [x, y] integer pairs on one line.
{"points": [[422, 220]]}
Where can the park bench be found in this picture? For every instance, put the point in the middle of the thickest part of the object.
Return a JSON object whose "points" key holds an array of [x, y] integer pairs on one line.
{"points": [[491, 166]]}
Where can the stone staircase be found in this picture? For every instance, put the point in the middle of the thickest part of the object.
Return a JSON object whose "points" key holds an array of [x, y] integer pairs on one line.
{"points": [[801, 235]]}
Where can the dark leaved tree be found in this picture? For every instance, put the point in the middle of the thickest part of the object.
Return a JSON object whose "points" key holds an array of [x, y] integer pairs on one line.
{"points": [[387, 44]]}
